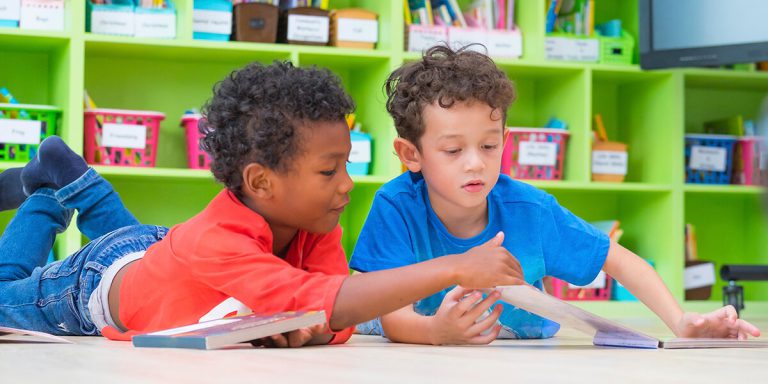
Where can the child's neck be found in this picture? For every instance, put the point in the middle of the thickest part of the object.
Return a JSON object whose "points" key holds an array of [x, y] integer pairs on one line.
{"points": [[461, 222], [282, 236], [281, 239]]}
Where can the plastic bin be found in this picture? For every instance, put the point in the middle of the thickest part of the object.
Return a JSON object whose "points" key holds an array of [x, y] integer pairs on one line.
{"points": [[212, 20], [11, 15], [599, 289], [122, 138], [617, 50], [534, 153], [709, 158], [110, 19], [197, 158], [360, 156], [23, 127], [749, 160], [158, 23]]}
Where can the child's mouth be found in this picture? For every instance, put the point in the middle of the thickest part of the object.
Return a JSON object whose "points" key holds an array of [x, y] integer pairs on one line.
{"points": [[474, 186]]}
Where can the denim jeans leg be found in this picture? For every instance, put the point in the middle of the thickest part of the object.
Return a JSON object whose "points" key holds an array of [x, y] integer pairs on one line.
{"points": [[54, 298], [99, 208], [29, 237]]}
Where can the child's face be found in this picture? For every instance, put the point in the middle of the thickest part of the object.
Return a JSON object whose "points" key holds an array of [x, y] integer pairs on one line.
{"points": [[460, 153], [313, 193]]}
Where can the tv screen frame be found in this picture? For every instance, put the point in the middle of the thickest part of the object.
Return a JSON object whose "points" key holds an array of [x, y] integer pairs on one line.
{"points": [[711, 56]]}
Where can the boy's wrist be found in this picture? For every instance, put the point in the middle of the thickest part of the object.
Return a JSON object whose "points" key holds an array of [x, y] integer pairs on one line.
{"points": [[451, 272]]}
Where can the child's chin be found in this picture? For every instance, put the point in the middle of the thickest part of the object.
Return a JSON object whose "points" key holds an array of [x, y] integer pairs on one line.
{"points": [[323, 228]]}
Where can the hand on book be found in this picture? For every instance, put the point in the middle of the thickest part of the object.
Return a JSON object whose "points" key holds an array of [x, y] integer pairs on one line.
{"points": [[463, 318], [721, 323], [305, 336], [488, 265]]}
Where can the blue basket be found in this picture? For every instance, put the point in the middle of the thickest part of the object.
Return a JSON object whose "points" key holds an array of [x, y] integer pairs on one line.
{"points": [[709, 175]]}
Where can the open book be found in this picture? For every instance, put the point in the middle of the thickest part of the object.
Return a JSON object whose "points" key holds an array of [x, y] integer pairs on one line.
{"points": [[16, 335], [605, 332], [228, 331]]}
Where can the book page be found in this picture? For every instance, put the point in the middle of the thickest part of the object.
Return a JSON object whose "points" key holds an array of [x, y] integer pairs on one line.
{"points": [[604, 331], [22, 335]]}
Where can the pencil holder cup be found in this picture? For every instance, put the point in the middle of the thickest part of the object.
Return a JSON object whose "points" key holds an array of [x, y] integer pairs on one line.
{"points": [[609, 161], [122, 138], [197, 158], [534, 153], [23, 127]]}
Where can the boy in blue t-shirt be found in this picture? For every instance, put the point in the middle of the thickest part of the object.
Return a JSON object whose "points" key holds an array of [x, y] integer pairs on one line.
{"points": [[449, 110]]}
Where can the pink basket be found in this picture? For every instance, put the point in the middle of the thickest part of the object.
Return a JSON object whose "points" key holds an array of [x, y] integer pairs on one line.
{"points": [[565, 291], [197, 158], [534, 153], [747, 160], [122, 138]]}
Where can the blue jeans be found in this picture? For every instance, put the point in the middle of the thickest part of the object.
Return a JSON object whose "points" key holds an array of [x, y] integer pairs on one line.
{"points": [[53, 298]]}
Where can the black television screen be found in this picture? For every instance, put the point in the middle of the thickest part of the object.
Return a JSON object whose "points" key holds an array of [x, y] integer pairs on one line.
{"points": [[695, 33]]}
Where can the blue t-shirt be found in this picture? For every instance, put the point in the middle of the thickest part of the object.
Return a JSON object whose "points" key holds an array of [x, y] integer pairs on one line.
{"points": [[547, 239]]}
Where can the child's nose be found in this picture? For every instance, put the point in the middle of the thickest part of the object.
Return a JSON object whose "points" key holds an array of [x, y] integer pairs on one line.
{"points": [[346, 184], [474, 161]]}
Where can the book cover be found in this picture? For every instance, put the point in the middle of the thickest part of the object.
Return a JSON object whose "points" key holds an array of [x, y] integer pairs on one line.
{"points": [[220, 333]]}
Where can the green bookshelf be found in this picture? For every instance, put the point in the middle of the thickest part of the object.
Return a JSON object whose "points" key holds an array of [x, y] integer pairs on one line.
{"points": [[650, 111]]}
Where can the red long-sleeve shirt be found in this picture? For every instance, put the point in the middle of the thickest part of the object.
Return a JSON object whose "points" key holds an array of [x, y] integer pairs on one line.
{"points": [[225, 252]]}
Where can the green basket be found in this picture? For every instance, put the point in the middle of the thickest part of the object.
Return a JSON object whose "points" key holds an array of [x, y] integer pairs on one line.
{"points": [[47, 116], [617, 50]]}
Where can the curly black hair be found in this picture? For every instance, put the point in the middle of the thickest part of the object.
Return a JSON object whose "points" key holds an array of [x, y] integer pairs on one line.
{"points": [[256, 111], [446, 76]]}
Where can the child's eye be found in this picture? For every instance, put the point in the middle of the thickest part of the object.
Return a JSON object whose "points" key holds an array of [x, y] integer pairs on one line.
{"points": [[328, 173], [452, 151], [490, 147]]}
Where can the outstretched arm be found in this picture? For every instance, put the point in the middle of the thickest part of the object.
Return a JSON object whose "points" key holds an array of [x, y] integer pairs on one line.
{"points": [[643, 281]]}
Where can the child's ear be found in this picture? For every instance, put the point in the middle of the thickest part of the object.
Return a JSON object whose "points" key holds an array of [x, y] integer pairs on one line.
{"points": [[408, 153], [256, 181]]}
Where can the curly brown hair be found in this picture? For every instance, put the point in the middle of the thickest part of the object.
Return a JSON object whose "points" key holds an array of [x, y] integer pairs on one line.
{"points": [[256, 112], [445, 76]]}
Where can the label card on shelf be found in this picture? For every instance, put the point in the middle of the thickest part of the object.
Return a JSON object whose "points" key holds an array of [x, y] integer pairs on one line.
{"points": [[124, 136], [567, 49], [313, 29], [361, 151], [42, 15], [207, 21], [537, 153], [422, 37], [15, 131], [708, 158], [358, 30], [505, 43], [112, 23], [700, 275], [609, 162], [10, 9], [157, 25], [462, 37]]}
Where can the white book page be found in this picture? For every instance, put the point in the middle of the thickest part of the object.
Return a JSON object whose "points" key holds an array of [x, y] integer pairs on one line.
{"points": [[610, 333]]}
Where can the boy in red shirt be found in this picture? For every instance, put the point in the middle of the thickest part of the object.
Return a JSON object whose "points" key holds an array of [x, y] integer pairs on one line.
{"points": [[269, 242]]}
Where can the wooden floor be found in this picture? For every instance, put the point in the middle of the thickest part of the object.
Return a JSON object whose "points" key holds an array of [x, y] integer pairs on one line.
{"points": [[567, 358]]}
